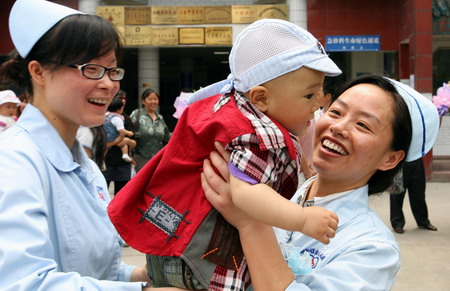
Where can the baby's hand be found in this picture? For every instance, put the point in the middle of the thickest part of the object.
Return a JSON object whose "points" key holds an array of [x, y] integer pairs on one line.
{"points": [[320, 223]]}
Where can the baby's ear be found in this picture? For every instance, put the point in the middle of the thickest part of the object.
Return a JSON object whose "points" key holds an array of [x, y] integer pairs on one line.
{"points": [[259, 97]]}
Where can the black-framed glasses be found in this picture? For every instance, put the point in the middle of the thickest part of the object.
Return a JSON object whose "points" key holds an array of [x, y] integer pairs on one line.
{"points": [[96, 72]]}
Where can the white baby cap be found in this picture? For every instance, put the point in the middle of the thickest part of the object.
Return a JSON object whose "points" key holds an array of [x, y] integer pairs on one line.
{"points": [[270, 48], [265, 50], [29, 20]]}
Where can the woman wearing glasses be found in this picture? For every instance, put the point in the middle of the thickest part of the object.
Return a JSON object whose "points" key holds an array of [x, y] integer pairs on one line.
{"points": [[55, 231]]}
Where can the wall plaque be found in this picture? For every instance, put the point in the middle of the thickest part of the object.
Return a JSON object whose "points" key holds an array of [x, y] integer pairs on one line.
{"points": [[138, 15], [217, 14], [115, 14], [162, 36], [138, 35], [243, 13], [218, 36], [164, 15], [191, 35], [191, 15], [272, 11]]}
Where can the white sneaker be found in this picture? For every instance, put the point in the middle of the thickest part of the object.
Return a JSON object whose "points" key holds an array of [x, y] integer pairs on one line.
{"points": [[126, 158]]}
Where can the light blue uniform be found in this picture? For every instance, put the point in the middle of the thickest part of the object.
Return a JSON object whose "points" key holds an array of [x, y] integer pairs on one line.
{"points": [[55, 233], [364, 255]]}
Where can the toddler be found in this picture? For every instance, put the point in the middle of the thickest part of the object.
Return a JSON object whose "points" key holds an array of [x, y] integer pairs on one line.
{"points": [[115, 128], [277, 69], [8, 109]]}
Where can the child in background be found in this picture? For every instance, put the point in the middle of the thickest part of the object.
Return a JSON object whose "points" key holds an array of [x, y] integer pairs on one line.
{"points": [[115, 128], [277, 69], [8, 109]]}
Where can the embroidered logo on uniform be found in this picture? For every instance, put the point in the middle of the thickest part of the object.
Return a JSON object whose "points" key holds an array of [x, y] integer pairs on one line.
{"points": [[100, 193], [163, 216], [316, 256]]}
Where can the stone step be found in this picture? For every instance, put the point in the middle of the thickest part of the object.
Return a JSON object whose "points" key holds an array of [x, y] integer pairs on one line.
{"points": [[440, 176], [440, 165]]}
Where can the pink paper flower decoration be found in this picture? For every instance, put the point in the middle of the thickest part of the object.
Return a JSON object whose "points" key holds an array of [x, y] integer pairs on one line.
{"points": [[442, 99]]}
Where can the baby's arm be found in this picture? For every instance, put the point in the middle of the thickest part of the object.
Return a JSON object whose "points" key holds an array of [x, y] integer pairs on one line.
{"points": [[261, 202]]}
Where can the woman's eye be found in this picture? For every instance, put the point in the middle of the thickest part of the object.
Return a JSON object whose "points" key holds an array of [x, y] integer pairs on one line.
{"points": [[309, 96], [363, 125], [334, 112]]}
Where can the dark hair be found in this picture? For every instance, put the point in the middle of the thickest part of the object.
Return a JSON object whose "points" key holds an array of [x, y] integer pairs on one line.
{"points": [[329, 87], [115, 104], [401, 128], [147, 92], [76, 39], [99, 145]]}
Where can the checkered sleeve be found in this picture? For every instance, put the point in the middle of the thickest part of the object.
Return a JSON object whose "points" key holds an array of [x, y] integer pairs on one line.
{"points": [[263, 165]]}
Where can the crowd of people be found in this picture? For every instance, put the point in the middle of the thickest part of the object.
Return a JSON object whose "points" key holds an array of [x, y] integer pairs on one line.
{"points": [[264, 182]]}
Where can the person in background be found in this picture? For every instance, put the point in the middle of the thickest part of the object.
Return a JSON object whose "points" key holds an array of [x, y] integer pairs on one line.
{"points": [[152, 132], [55, 231], [118, 170], [114, 126], [359, 145], [8, 109], [325, 98], [413, 179]]}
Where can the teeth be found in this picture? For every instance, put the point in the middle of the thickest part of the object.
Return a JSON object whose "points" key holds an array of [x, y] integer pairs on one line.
{"points": [[331, 145], [96, 100]]}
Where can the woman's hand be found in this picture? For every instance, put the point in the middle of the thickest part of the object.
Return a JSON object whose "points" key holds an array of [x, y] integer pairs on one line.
{"points": [[217, 187]]}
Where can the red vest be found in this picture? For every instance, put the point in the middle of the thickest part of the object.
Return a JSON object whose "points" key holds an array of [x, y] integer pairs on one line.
{"points": [[160, 209]]}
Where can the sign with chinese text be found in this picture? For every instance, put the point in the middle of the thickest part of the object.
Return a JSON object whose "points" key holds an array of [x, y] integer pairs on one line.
{"points": [[218, 36], [243, 13], [138, 15], [114, 14], [164, 15], [352, 43], [138, 35], [191, 35], [191, 15], [162, 36]]}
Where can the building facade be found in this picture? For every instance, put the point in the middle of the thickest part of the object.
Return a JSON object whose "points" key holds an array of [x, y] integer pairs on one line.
{"points": [[407, 40]]}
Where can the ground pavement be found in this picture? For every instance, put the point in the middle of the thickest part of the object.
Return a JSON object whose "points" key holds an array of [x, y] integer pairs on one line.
{"points": [[425, 254]]}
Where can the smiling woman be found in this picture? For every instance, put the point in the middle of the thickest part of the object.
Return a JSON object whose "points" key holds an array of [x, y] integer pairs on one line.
{"points": [[360, 143], [53, 197]]}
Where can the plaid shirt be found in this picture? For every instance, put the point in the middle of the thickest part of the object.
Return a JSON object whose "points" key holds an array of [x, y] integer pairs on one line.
{"points": [[266, 158]]}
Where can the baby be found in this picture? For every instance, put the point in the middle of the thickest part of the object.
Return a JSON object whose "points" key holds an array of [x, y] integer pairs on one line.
{"points": [[114, 127], [277, 69], [8, 109]]}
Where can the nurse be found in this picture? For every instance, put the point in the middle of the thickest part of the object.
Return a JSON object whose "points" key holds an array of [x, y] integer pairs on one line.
{"points": [[55, 231], [359, 144]]}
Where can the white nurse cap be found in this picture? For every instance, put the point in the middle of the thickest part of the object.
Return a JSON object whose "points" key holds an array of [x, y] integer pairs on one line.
{"points": [[424, 120], [29, 20]]}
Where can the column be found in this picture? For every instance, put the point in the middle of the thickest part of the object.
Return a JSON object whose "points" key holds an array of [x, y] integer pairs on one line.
{"points": [[148, 69], [298, 12], [88, 6]]}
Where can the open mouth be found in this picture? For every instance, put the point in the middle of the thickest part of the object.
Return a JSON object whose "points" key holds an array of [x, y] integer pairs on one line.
{"points": [[333, 147], [97, 101]]}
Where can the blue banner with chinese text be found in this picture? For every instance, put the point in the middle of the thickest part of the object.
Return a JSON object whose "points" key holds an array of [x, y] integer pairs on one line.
{"points": [[352, 43]]}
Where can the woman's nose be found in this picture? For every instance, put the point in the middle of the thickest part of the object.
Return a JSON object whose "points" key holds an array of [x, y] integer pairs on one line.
{"points": [[340, 128]]}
